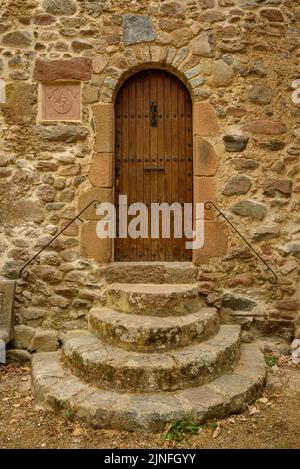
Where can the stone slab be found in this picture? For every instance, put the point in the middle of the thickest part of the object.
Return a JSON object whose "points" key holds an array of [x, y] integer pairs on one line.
{"points": [[7, 293]]}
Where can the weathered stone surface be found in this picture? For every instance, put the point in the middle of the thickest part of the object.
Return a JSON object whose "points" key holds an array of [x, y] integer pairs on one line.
{"points": [[100, 173], [27, 209], [288, 305], [205, 158], [172, 9], [237, 303], [273, 145], [251, 209], [60, 7], [61, 133], [137, 29], [281, 187], [244, 164], [205, 120], [112, 368], [263, 233], [80, 46], [21, 99], [237, 185], [158, 300], [44, 19], [215, 242], [233, 392], [271, 14], [76, 68], [293, 249], [143, 334], [258, 3], [235, 143], [103, 117], [20, 39], [241, 279], [93, 247], [23, 336], [44, 341], [203, 45], [7, 296], [17, 357], [267, 127], [181, 37], [222, 74], [46, 193], [102, 195], [261, 94]]}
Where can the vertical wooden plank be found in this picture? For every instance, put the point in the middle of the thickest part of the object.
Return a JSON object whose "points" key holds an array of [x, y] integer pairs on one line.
{"points": [[175, 157], [181, 162], [153, 158], [125, 146], [132, 157], [147, 155], [117, 171], [139, 157], [161, 156], [168, 154]]}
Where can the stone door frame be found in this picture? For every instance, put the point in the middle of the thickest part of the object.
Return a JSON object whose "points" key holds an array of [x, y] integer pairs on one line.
{"points": [[206, 146]]}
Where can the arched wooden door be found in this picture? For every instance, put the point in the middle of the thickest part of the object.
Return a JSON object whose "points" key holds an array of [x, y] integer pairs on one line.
{"points": [[153, 156]]}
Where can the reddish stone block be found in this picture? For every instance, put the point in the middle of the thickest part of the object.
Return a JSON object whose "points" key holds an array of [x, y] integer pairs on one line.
{"points": [[215, 242], [205, 120], [93, 247], [205, 158], [77, 68]]}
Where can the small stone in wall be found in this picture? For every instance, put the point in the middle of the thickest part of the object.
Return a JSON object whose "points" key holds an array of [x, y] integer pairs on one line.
{"points": [[244, 164], [251, 209], [281, 187], [60, 7], [235, 143], [273, 145], [258, 3], [21, 39], [203, 45], [261, 94], [137, 29], [172, 9], [237, 185], [61, 133], [237, 303], [80, 46], [46, 193], [222, 75], [271, 14], [267, 127], [245, 279], [264, 233], [44, 341]]}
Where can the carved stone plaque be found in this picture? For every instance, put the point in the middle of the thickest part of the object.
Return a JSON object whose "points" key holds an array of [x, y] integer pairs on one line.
{"points": [[61, 101]]}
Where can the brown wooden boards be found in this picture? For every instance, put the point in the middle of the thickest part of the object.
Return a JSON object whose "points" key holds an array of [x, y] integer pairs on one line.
{"points": [[153, 157]]}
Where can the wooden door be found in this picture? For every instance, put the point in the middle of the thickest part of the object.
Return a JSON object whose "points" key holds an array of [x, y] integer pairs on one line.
{"points": [[153, 157]]}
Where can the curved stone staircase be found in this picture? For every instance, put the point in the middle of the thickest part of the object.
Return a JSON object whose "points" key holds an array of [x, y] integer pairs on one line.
{"points": [[153, 354]]}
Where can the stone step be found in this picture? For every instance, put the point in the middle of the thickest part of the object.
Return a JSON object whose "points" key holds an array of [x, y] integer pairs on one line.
{"points": [[109, 367], [147, 334], [153, 299], [148, 272], [57, 389]]}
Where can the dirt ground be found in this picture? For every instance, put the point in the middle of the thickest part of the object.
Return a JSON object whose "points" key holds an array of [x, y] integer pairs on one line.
{"points": [[272, 422]]}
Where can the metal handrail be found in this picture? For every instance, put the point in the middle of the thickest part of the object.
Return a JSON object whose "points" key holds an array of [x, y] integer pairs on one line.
{"points": [[23, 272], [208, 205]]}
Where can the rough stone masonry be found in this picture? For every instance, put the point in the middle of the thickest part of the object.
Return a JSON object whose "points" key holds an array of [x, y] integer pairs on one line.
{"points": [[238, 59]]}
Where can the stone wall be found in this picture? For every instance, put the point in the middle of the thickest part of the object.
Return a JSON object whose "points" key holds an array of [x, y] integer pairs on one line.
{"points": [[238, 58]]}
